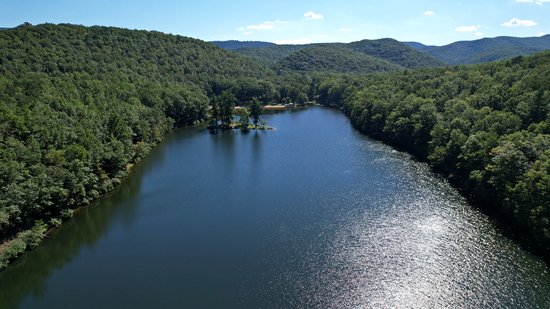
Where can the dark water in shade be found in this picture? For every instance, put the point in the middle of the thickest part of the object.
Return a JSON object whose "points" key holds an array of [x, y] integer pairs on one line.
{"points": [[310, 215]]}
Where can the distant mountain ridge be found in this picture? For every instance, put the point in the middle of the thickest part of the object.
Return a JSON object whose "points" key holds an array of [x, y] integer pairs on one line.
{"points": [[405, 54], [357, 57], [234, 44], [484, 50]]}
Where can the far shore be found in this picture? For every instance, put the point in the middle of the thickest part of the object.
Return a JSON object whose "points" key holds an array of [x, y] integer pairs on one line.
{"points": [[276, 107]]}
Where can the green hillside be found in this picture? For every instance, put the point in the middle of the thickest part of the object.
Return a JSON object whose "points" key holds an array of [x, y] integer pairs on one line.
{"points": [[103, 51], [485, 50], [486, 127], [386, 50], [332, 58], [270, 55], [396, 52], [79, 105]]}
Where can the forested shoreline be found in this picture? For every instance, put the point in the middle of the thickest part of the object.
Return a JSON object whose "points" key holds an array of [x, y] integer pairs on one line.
{"points": [[486, 127], [80, 105]]}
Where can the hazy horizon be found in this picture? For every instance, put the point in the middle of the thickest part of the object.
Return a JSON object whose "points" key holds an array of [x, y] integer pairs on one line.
{"points": [[327, 42], [283, 22], [381, 38]]}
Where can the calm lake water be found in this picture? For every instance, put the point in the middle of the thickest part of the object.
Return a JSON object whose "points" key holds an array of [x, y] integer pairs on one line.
{"points": [[312, 214]]}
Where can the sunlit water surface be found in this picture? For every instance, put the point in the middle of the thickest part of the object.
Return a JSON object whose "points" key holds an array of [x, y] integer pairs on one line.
{"points": [[312, 214]]}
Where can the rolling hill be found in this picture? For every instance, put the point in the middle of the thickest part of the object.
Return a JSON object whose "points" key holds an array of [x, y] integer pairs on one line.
{"points": [[79, 105], [484, 50], [396, 52], [334, 59], [233, 44], [406, 54], [270, 55], [388, 53], [64, 48]]}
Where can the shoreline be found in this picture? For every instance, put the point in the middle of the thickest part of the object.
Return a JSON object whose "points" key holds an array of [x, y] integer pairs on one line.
{"points": [[504, 224], [280, 107], [27, 240], [19, 243]]}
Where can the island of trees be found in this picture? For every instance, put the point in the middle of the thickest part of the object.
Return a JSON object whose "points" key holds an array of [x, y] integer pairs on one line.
{"points": [[80, 105], [223, 112]]}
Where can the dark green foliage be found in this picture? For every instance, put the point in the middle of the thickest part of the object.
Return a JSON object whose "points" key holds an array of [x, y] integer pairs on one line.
{"points": [[186, 105], [107, 52], [270, 55], [226, 103], [395, 52], [361, 56], [484, 50], [334, 59], [255, 112], [486, 126], [25, 240], [79, 105], [233, 45], [244, 118]]}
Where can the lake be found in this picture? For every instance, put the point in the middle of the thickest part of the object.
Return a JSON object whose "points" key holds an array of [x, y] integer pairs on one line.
{"points": [[312, 214]]}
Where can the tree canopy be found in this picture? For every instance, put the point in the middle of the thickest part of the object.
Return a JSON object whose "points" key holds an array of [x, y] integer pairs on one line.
{"points": [[487, 127], [80, 105]]}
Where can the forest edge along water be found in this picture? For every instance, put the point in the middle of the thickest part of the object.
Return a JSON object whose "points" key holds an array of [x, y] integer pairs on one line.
{"points": [[78, 106], [313, 214]]}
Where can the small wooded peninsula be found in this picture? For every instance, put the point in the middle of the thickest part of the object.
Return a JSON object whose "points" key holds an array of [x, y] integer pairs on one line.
{"points": [[80, 105]]}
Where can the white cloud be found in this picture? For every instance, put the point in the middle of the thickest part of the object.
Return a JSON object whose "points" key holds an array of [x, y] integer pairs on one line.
{"points": [[515, 22], [542, 34], [479, 33], [429, 13], [345, 29], [539, 2], [293, 41], [473, 28], [266, 25], [312, 16]]}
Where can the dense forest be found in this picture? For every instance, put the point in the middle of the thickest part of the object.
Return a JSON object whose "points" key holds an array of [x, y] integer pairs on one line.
{"points": [[356, 57], [336, 60], [396, 52], [406, 54], [269, 55], [235, 45], [80, 105], [484, 50], [487, 127]]}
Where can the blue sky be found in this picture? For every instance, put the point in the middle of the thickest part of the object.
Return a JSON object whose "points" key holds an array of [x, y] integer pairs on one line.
{"points": [[435, 22]]}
